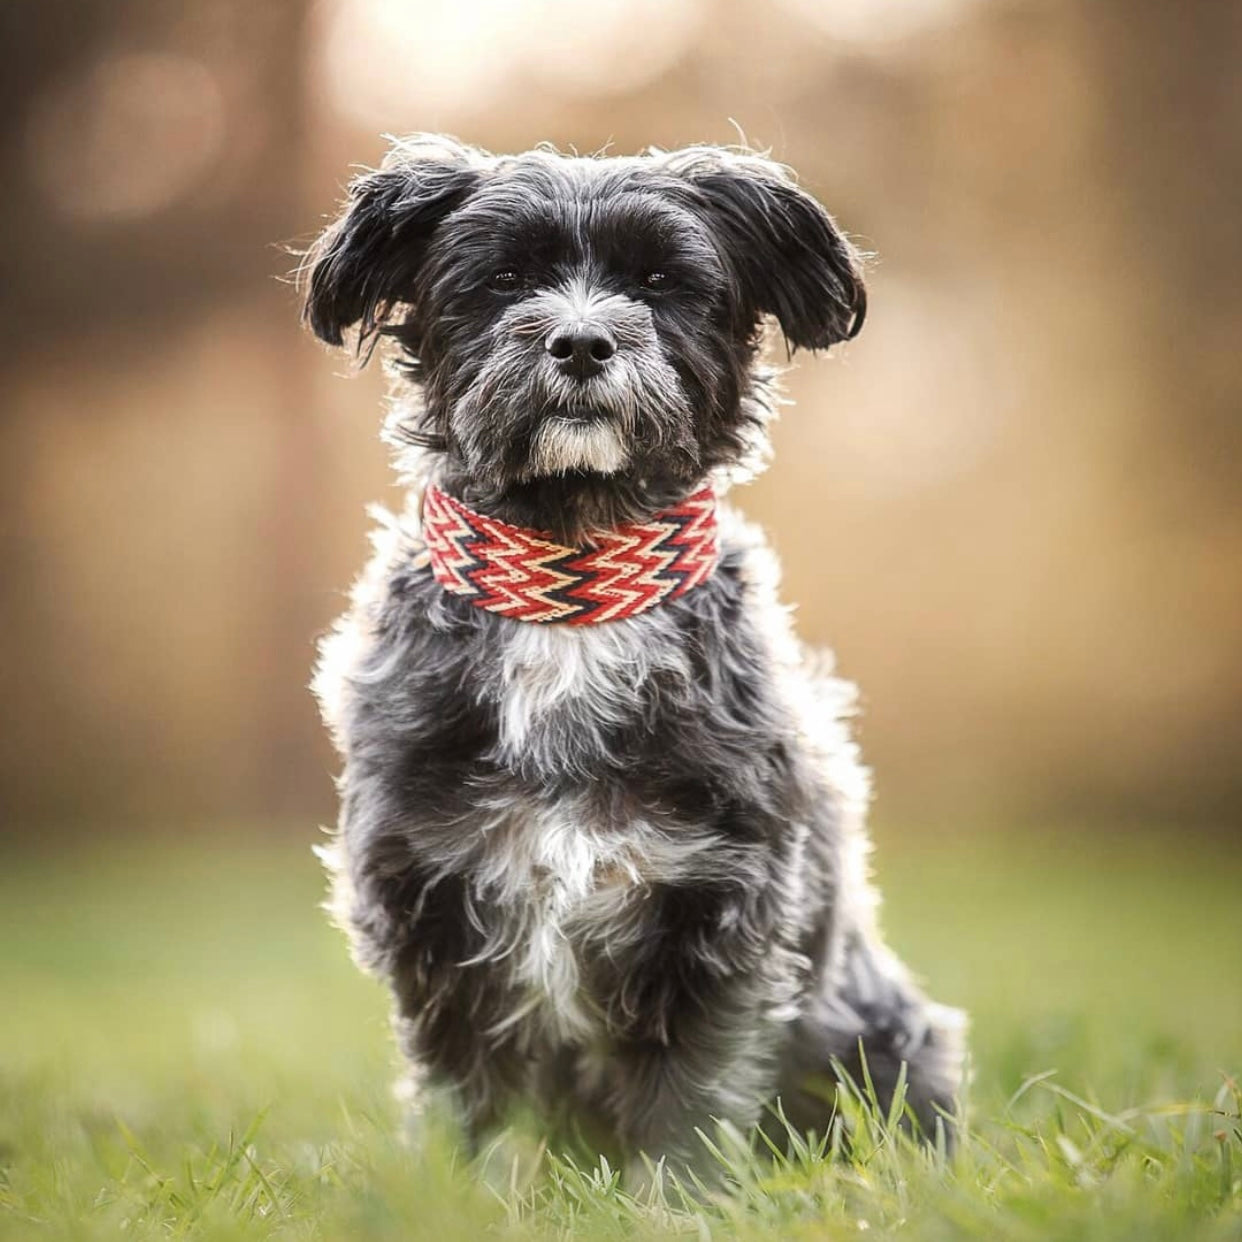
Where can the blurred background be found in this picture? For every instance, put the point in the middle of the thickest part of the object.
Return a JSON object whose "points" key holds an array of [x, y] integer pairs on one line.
{"points": [[1012, 506]]}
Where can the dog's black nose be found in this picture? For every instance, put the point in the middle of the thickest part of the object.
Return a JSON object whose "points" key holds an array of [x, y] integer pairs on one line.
{"points": [[582, 350]]}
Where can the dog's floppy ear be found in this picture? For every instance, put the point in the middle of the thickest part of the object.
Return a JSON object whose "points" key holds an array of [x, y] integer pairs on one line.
{"points": [[792, 260], [367, 261]]}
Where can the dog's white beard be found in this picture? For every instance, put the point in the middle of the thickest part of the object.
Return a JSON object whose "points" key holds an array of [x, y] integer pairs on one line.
{"points": [[564, 444]]}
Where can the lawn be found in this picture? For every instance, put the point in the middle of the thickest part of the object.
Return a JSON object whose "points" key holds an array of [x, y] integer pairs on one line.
{"points": [[186, 1051]]}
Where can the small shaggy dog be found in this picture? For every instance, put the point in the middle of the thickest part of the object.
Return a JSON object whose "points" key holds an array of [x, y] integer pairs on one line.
{"points": [[601, 821]]}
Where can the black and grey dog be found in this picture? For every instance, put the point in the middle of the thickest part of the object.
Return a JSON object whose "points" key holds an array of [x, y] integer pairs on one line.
{"points": [[616, 869]]}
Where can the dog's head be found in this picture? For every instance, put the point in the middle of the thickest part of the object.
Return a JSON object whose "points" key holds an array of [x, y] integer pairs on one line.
{"points": [[587, 320]]}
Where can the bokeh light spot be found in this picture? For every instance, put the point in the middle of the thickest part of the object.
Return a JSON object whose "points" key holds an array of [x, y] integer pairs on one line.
{"points": [[127, 139], [381, 58]]}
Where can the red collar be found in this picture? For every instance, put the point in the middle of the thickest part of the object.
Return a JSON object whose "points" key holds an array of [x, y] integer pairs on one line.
{"points": [[521, 574]]}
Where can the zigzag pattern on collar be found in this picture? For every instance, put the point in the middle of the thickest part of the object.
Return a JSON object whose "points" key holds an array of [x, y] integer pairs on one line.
{"points": [[521, 574]]}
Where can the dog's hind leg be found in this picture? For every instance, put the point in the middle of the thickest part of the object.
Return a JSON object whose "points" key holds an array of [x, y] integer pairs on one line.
{"points": [[870, 1019]]}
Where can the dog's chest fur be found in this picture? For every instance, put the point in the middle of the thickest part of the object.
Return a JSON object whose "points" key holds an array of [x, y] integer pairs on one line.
{"points": [[557, 876]]}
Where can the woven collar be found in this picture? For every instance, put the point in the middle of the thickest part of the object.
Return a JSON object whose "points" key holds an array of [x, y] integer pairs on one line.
{"points": [[521, 574]]}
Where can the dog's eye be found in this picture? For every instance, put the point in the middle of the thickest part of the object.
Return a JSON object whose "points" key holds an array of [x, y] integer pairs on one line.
{"points": [[656, 281], [506, 280]]}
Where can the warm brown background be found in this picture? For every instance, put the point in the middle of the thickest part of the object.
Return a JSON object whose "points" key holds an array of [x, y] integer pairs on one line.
{"points": [[1012, 505]]}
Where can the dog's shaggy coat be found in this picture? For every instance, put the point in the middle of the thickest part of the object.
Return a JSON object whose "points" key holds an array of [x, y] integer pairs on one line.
{"points": [[617, 869]]}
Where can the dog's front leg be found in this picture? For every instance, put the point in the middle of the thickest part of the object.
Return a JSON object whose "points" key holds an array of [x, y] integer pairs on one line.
{"points": [[695, 1014], [672, 1093], [418, 928]]}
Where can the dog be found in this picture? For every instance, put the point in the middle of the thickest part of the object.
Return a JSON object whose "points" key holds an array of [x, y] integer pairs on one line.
{"points": [[602, 822]]}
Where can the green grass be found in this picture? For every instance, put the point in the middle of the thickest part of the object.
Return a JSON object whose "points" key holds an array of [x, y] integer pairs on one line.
{"points": [[186, 1051]]}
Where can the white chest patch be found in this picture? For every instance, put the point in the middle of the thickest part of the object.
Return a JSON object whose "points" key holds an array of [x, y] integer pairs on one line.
{"points": [[567, 864], [550, 883], [562, 687]]}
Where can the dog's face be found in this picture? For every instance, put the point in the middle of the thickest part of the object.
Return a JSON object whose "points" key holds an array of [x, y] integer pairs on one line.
{"points": [[582, 318]]}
